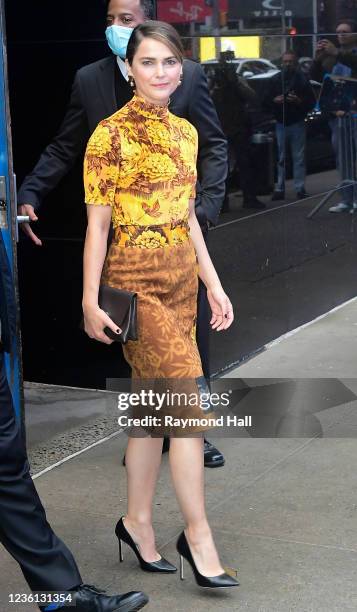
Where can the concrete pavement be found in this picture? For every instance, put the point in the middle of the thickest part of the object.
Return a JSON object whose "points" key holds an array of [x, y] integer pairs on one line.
{"points": [[283, 510], [326, 347]]}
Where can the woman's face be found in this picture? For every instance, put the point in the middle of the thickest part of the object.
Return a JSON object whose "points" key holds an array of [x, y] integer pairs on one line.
{"points": [[156, 71]]}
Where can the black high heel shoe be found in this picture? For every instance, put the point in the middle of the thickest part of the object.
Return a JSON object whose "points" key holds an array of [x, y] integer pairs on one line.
{"points": [[221, 581], [162, 565]]}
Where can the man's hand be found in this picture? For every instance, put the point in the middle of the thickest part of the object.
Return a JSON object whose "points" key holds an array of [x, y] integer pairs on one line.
{"points": [[320, 48], [29, 211], [327, 47], [279, 99], [292, 97]]}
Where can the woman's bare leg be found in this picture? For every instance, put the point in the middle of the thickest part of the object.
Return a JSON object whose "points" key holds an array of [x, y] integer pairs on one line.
{"points": [[187, 470], [142, 460]]}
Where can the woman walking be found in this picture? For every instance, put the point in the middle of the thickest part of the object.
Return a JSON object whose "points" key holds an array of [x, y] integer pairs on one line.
{"points": [[140, 173]]}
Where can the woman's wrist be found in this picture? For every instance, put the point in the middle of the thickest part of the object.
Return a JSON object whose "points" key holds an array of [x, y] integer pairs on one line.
{"points": [[88, 305], [213, 286]]}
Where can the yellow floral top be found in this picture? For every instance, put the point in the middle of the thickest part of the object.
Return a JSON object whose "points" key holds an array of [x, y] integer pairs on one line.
{"points": [[142, 162]]}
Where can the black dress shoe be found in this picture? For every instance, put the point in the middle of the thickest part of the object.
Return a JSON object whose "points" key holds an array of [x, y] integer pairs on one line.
{"points": [[278, 195], [166, 445], [254, 203], [301, 195], [87, 598], [212, 456]]}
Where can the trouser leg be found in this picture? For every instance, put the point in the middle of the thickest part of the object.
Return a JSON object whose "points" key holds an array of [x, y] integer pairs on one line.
{"points": [[339, 143], [45, 561], [244, 160], [281, 142], [298, 146]]}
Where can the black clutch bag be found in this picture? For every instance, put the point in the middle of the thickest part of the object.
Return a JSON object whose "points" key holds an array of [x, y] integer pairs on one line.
{"points": [[121, 307]]}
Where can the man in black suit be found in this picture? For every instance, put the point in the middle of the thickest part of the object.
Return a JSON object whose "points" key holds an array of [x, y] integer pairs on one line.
{"points": [[46, 562], [99, 89]]}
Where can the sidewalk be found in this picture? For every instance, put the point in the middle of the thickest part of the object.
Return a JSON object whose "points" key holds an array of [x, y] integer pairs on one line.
{"points": [[325, 348], [283, 511]]}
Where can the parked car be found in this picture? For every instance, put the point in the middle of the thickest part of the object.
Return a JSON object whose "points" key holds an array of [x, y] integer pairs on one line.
{"points": [[249, 68]]}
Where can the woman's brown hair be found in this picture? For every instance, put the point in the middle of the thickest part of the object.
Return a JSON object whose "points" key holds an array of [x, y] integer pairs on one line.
{"points": [[159, 30]]}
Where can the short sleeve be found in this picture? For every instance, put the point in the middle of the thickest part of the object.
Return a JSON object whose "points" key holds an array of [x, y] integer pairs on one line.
{"points": [[101, 165], [194, 162]]}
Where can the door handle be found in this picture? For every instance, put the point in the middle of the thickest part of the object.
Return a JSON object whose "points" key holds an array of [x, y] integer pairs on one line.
{"points": [[3, 204]]}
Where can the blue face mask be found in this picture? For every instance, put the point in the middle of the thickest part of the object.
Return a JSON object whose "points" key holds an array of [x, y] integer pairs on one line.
{"points": [[118, 38]]}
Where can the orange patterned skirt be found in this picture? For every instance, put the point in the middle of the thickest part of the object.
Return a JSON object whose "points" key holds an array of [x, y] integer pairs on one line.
{"points": [[165, 356]]}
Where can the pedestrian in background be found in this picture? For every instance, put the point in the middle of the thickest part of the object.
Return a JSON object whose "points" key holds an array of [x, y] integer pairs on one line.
{"points": [[340, 61], [289, 97], [232, 97]]}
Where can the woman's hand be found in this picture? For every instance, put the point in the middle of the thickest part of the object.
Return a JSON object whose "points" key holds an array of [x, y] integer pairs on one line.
{"points": [[95, 320], [222, 309]]}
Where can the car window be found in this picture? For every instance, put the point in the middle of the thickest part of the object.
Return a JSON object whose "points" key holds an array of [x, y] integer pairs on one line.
{"points": [[260, 67], [246, 67]]}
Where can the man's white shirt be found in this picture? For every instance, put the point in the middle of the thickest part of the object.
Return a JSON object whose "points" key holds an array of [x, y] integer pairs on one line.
{"points": [[122, 67]]}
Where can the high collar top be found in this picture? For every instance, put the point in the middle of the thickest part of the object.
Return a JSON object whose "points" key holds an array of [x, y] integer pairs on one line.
{"points": [[147, 109]]}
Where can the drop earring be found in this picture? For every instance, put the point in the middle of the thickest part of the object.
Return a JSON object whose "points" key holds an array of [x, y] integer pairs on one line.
{"points": [[180, 79], [131, 81]]}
